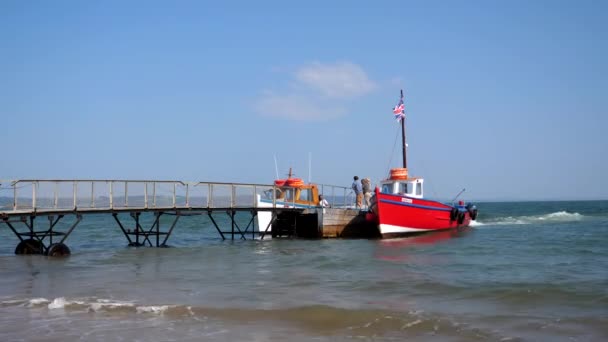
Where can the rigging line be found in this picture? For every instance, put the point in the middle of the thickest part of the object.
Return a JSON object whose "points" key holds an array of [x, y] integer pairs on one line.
{"points": [[390, 160], [431, 186], [11, 188], [422, 164]]}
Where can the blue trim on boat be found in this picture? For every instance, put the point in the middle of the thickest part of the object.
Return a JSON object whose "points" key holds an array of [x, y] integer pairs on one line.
{"points": [[414, 205], [282, 203]]}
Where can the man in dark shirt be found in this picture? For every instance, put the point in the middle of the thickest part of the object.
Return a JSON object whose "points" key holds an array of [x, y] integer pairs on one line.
{"points": [[358, 189]]}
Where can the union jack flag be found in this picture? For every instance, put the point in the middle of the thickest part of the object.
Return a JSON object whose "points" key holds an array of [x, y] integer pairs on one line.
{"points": [[399, 109]]}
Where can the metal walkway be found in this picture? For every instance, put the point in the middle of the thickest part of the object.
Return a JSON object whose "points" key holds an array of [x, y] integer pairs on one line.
{"points": [[22, 201]]}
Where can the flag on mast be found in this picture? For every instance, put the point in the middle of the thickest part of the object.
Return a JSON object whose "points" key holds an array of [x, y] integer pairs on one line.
{"points": [[399, 109]]}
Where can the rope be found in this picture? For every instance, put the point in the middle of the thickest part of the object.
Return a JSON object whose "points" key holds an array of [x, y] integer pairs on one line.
{"points": [[390, 160]]}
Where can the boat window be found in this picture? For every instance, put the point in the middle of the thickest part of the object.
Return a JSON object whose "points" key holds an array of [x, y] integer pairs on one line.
{"points": [[305, 195], [419, 189], [386, 188], [403, 188], [268, 194], [288, 194]]}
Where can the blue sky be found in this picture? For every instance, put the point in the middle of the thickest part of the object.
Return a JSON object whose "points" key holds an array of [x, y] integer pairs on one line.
{"points": [[504, 98]]}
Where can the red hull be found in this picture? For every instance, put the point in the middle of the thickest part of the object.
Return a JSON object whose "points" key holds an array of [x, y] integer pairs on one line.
{"points": [[398, 215]]}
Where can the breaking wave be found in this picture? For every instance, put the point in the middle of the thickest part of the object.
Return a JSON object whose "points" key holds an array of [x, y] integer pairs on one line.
{"points": [[90, 305], [313, 318], [559, 216]]}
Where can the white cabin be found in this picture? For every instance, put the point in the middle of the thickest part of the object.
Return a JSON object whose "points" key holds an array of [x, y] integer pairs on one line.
{"points": [[410, 187]]}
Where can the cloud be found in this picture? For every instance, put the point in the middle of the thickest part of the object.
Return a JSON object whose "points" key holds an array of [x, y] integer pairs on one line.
{"points": [[317, 92], [296, 107], [338, 80]]}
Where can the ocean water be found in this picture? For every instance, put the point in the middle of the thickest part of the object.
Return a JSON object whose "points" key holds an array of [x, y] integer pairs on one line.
{"points": [[526, 271]]}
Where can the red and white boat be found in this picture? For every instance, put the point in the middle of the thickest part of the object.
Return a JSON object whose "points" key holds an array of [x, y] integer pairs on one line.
{"points": [[400, 209]]}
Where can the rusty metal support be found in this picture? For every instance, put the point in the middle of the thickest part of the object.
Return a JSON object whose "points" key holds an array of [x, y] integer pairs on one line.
{"points": [[8, 223], [250, 224], [51, 225], [115, 215], [156, 225], [78, 219], [177, 215], [215, 224], [232, 213]]}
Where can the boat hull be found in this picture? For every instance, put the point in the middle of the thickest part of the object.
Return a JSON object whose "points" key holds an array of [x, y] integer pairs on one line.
{"points": [[264, 218], [398, 215]]}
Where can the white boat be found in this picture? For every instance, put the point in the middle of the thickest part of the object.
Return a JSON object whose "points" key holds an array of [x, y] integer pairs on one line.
{"points": [[286, 193]]}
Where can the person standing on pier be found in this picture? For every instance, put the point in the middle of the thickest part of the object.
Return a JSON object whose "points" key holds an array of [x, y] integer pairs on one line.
{"points": [[358, 189], [323, 202], [367, 190]]}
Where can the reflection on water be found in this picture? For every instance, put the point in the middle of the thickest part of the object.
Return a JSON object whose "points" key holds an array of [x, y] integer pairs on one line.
{"points": [[404, 249], [425, 238]]}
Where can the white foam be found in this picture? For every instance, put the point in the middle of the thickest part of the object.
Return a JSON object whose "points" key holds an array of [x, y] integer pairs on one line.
{"points": [[106, 304], [560, 216], [160, 309], [57, 303], [62, 303], [476, 224], [38, 301], [94, 305], [411, 324], [13, 302]]}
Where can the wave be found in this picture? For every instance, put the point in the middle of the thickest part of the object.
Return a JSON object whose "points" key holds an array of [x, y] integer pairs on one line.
{"points": [[322, 320], [312, 318], [559, 216], [91, 305]]}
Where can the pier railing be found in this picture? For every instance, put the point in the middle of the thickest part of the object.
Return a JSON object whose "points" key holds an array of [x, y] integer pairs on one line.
{"points": [[48, 195], [336, 195], [100, 194]]}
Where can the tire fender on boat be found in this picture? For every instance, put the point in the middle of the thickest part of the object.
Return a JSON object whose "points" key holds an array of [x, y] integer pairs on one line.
{"points": [[472, 209], [461, 216], [453, 214], [473, 214]]}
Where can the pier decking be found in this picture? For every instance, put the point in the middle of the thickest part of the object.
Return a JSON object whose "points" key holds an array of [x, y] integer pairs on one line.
{"points": [[22, 201]]}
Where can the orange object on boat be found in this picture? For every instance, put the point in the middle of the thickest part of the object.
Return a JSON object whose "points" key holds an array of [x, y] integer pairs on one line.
{"points": [[294, 182], [399, 173], [280, 182]]}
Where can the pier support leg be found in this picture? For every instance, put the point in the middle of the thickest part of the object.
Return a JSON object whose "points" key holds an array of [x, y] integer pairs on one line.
{"points": [[272, 220], [52, 223], [33, 243], [146, 233], [250, 224], [232, 213], [215, 224], [164, 244], [60, 249], [8, 223], [137, 229], [115, 215], [140, 230]]}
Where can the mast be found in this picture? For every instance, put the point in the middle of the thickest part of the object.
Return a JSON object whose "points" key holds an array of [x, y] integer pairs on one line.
{"points": [[403, 136]]}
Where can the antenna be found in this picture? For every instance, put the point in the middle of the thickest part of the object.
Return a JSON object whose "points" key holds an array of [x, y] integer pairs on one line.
{"points": [[460, 193], [276, 168], [309, 166]]}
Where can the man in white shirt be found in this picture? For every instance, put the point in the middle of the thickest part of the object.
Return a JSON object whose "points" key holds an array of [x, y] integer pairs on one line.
{"points": [[323, 202]]}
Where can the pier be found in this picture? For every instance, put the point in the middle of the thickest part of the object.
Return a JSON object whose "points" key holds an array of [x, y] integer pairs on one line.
{"points": [[24, 202]]}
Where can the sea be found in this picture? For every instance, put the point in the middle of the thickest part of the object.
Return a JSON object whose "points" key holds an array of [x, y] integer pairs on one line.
{"points": [[524, 271]]}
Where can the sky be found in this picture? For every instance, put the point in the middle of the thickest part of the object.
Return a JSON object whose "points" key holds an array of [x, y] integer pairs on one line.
{"points": [[507, 99]]}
